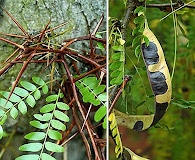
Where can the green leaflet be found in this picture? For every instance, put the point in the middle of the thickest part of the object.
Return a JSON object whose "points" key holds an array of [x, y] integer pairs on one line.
{"points": [[55, 135], [30, 100], [58, 125], [46, 156], [61, 116], [53, 147], [5, 104], [32, 147], [38, 81], [1, 132], [28, 86], [100, 113], [14, 112], [62, 106], [21, 92], [47, 108], [30, 156], [22, 107], [35, 136], [44, 117], [52, 98], [13, 98]]}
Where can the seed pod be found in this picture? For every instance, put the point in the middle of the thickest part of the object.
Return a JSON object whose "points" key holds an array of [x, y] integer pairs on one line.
{"points": [[160, 82], [158, 73], [114, 133]]}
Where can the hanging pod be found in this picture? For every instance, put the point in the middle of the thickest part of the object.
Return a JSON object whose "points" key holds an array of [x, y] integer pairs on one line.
{"points": [[160, 81]]}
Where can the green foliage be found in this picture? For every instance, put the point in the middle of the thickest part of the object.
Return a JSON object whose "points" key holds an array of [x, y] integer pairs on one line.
{"points": [[50, 123], [116, 52], [23, 96], [93, 92]]}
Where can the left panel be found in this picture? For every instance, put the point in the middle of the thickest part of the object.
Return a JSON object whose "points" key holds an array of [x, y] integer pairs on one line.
{"points": [[53, 80]]}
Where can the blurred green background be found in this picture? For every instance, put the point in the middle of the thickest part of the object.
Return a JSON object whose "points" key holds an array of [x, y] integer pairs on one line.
{"points": [[174, 137]]}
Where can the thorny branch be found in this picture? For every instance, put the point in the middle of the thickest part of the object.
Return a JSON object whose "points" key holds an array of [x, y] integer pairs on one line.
{"points": [[30, 51]]}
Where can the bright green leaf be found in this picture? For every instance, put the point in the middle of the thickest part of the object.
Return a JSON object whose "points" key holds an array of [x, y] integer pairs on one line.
{"points": [[118, 48], [116, 56], [61, 116], [99, 89], [2, 112], [13, 98], [38, 124], [91, 82], [116, 81], [146, 40], [115, 65], [104, 125], [61, 95], [96, 102], [36, 136], [1, 132], [115, 73], [53, 147], [139, 8], [44, 117], [28, 157], [88, 97], [137, 51], [100, 113], [21, 92], [58, 125], [139, 20], [3, 119], [45, 89], [102, 96], [62, 106], [14, 112], [29, 86], [55, 135], [30, 100], [46, 156], [32, 147], [47, 108], [136, 40], [52, 98], [37, 94], [38, 81], [22, 107], [135, 31], [5, 104]]}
